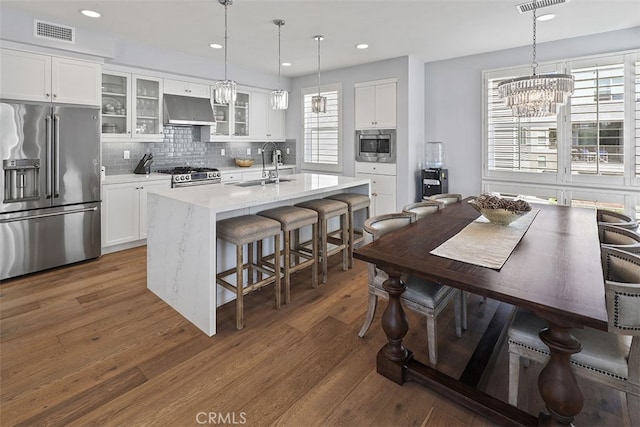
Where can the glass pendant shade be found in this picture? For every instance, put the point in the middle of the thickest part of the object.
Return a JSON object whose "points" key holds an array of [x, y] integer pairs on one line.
{"points": [[279, 99], [536, 95], [224, 91], [318, 104]]}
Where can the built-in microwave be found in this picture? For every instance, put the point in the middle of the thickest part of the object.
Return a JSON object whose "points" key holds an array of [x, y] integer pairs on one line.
{"points": [[376, 145]]}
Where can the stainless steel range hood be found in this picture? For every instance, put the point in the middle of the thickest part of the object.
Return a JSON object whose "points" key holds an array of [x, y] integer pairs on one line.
{"points": [[185, 110]]}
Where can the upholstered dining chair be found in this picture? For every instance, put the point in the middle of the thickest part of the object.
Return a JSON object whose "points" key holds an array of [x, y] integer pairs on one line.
{"points": [[611, 358], [446, 198], [624, 239], [423, 208], [422, 296], [615, 218]]}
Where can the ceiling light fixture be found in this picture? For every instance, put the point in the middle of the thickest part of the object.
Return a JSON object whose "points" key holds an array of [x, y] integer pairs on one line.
{"points": [[90, 13], [362, 46], [279, 97], [547, 17], [224, 91], [536, 95], [319, 102], [215, 46], [286, 64]]}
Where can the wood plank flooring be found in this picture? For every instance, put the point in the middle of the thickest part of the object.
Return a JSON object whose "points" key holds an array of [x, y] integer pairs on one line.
{"points": [[89, 345]]}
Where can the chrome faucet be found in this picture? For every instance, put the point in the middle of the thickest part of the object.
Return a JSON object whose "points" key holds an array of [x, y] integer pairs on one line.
{"points": [[270, 175]]}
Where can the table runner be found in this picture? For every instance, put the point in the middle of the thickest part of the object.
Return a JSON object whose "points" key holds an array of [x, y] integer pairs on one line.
{"points": [[485, 244]]}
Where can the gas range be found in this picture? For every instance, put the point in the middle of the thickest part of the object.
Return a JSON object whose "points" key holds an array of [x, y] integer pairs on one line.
{"points": [[183, 176]]}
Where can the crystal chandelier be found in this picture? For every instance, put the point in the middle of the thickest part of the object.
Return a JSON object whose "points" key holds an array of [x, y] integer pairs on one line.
{"points": [[536, 95], [224, 91], [279, 97], [319, 102]]}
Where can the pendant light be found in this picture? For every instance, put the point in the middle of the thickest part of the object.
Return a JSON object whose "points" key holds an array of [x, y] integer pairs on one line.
{"points": [[224, 91], [279, 97], [319, 102], [536, 95]]}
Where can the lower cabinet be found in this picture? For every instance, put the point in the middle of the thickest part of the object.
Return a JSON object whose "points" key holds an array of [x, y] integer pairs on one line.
{"points": [[383, 185], [124, 211], [253, 174]]}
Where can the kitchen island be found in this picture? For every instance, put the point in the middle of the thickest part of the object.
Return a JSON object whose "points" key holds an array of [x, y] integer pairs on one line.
{"points": [[183, 254]]}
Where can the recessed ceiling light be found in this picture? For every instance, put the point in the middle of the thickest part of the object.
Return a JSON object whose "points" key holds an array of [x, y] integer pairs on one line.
{"points": [[547, 17], [362, 46], [215, 46], [90, 13], [286, 64]]}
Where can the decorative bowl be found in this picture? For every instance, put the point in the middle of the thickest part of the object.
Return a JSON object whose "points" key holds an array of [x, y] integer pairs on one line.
{"points": [[505, 215], [244, 163]]}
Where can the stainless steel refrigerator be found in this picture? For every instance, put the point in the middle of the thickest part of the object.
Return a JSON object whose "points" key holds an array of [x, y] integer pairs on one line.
{"points": [[50, 183]]}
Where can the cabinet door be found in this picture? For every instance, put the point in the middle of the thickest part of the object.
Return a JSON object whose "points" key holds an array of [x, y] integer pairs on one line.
{"points": [[75, 82], [223, 120], [252, 175], [383, 193], [147, 116], [143, 188], [116, 105], [25, 76], [385, 106], [259, 118], [199, 90], [175, 87], [120, 210], [241, 115], [275, 130], [365, 98]]}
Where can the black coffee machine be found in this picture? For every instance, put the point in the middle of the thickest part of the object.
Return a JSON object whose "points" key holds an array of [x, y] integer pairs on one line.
{"points": [[434, 181]]}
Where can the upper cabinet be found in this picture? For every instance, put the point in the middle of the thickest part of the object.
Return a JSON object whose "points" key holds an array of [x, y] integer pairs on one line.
{"points": [[232, 120], [131, 107], [185, 88], [35, 77], [375, 105], [267, 124]]}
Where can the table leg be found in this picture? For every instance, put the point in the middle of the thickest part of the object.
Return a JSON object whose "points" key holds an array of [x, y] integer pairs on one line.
{"points": [[557, 383], [392, 356]]}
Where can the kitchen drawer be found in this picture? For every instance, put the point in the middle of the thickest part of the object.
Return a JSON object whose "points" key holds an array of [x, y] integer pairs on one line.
{"points": [[230, 176], [252, 175], [376, 168]]}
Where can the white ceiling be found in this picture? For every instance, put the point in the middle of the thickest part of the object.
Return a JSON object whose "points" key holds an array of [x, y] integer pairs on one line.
{"points": [[429, 29]]}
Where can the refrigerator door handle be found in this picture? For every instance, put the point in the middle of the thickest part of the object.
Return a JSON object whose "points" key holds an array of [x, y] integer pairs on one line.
{"points": [[71, 211], [56, 176], [49, 189]]}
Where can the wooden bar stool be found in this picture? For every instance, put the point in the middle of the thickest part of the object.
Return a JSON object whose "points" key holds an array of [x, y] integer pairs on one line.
{"points": [[355, 202], [245, 230], [328, 209], [292, 219]]}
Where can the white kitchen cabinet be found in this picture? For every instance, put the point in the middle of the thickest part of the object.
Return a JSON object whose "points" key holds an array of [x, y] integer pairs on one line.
{"points": [[35, 77], [186, 88], [131, 107], [383, 185], [375, 105], [124, 210], [232, 120], [267, 124]]}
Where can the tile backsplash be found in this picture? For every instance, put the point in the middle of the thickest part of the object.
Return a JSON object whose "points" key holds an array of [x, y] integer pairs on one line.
{"points": [[181, 147]]}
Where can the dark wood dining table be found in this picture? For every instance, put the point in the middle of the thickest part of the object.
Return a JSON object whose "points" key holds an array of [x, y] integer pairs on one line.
{"points": [[554, 271]]}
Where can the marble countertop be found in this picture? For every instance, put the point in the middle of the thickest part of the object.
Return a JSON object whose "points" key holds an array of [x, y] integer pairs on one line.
{"points": [[132, 177], [226, 197], [253, 167]]}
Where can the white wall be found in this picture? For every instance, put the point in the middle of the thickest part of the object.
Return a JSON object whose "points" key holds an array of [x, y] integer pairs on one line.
{"points": [[453, 97]]}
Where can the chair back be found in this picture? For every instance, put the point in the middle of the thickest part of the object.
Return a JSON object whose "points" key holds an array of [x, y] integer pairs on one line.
{"points": [[424, 208], [622, 290], [377, 226], [446, 198], [615, 218], [619, 238]]}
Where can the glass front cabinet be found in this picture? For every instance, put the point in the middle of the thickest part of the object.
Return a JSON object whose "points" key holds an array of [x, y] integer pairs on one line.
{"points": [[131, 107], [232, 120]]}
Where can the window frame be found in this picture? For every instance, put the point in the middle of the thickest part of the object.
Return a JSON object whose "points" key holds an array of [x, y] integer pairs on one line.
{"points": [[323, 167], [563, 182]]}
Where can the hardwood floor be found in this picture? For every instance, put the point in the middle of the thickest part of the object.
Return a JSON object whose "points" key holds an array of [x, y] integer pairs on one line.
{"points": [[89, 345]]}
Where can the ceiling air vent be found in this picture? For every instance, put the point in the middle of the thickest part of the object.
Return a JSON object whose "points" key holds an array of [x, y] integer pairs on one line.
{"points": [[528, 7], [51, 31]]}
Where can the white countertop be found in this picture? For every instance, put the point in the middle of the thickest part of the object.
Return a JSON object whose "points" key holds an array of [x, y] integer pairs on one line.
{"points": [[132, 177], [226, 197], [255, 166]]}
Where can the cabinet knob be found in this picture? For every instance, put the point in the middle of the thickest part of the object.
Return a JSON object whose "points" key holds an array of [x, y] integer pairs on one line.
{"points": [[47, 95], [55, 95]]}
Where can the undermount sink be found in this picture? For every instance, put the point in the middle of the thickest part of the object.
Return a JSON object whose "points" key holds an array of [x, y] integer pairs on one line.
{"points": [[259, 182]]}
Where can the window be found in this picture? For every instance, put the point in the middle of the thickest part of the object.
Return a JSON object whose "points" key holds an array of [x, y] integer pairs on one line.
{"points": [[322, 131], [592, 144]]}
